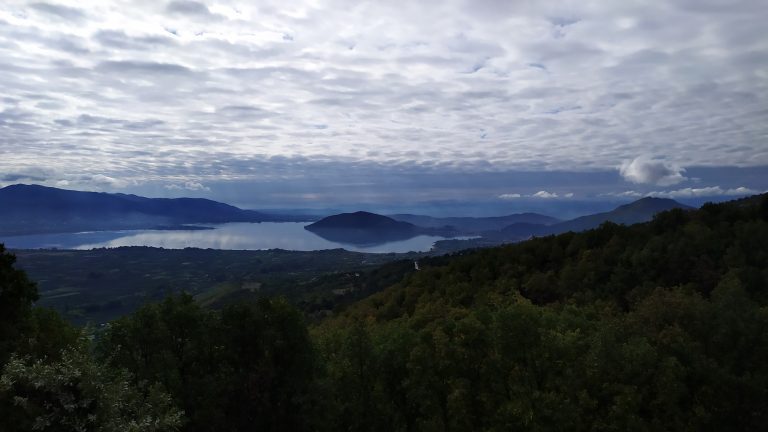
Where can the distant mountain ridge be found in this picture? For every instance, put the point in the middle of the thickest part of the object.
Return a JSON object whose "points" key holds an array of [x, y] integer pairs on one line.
{"points": [[642, 210], [638, 211], [475, 225], [39, 209], [368, 228], [523, 225]]}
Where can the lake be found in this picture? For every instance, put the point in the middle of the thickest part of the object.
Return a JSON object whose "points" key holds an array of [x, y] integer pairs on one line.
{"points": [[237, 236]]}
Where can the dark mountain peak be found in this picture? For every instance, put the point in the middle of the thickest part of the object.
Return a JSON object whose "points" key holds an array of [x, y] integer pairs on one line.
{"points": [[36, 208], [638, 211], [25, 188], [38, 187], [39, 194], [365, 214], [361, 220], [20, 186], [652, 204], [363, 228]]}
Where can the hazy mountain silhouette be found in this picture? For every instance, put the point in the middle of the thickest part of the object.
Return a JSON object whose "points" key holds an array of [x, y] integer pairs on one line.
{"points": [[475, 225], [524, 230], [638, 211], [39, 209]]}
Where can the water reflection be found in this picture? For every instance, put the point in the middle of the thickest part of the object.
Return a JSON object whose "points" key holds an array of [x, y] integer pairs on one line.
{"points": [[62, 240], [361, 238], [240, 236]]}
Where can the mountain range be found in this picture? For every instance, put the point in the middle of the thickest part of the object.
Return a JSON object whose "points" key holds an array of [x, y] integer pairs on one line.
{"points": [[476, 225], [26, 209], [369, 228], [638, 211]]}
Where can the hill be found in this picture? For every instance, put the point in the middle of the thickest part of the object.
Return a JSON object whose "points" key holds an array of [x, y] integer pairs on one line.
{"points": [[475, 225], [614, 328], [361, 220], [364, 228], [661, 252], [638, 211], [26, 209]]}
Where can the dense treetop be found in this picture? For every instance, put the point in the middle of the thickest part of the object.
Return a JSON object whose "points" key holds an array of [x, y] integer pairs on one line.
{"points": [[657, 326]]}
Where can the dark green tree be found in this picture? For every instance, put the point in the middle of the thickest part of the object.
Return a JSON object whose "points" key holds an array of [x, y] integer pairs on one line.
{"points": [[76, 393], [17, 294]]}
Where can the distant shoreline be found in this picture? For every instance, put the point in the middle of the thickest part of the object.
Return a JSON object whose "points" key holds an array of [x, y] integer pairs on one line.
{"points": [[21, 233]]}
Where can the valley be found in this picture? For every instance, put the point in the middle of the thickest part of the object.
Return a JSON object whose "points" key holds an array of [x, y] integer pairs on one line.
{"points": [[97, 276]]}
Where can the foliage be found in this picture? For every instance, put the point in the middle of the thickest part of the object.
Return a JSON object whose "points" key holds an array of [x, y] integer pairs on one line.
{"points": [[244, 367], [51, 382], [76, 393], [658, 326], [17, 293]]}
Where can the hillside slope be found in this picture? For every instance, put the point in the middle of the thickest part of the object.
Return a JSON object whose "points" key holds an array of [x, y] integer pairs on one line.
{"points": [[38, 209], [638, 211], [655, 326]]}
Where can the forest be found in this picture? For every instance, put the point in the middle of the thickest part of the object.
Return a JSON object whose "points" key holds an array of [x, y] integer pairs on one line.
{"points": [[660, 326], [99, 285]]}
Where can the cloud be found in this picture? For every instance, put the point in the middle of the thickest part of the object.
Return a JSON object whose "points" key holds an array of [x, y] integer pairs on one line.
{"points": [[704, 192], [542, 194], [190, 186], [102, 180], [146, 68], [643, 170], [59, 11], [708, 191], [187, 8], [116, 39], [20, 177], [627, 194], [155, 92]]}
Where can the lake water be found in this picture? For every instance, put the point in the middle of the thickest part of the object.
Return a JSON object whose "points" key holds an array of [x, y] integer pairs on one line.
{"points": [[238, 236]]}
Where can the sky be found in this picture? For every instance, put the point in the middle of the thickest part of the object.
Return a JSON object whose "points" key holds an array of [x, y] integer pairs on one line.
{"points": [[452, 104]]}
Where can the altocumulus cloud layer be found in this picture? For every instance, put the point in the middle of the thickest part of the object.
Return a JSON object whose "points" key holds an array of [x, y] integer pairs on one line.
{"points": [[184, 94]]}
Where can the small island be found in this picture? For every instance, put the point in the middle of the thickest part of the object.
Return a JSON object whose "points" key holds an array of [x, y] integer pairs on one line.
{"points": [[364, 229]]}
